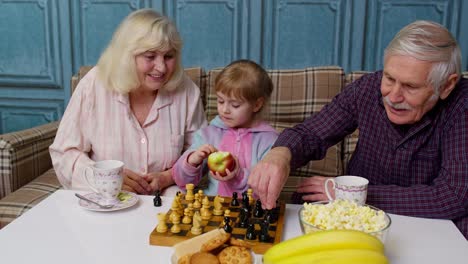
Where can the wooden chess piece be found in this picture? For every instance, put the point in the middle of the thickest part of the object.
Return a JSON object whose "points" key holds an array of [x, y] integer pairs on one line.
{"points": [[197, 203], [196, 226], [218, 206], [206, 213], [157, 201], [264, 236], [227, 213], [227, 227], [250, 233], [162, 227], [189, 196], [258, 210], [175, 223], [190, 207], [180, 207], [187, 219], [200, 195], [249, 194], [234, 201]]}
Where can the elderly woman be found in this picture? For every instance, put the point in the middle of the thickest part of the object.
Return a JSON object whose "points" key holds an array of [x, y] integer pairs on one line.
{"points": [[136, 105]]}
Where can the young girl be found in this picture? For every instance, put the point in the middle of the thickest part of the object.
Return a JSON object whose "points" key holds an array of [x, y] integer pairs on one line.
{"points": [[242, 88]]}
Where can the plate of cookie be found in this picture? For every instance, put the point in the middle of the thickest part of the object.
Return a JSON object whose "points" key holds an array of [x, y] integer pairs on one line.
{"points": [[216, 246]]}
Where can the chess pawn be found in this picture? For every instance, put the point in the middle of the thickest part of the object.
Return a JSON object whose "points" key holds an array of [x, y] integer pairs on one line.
{"points": [[196, 226], [234, 201], [206, 214], [186, 219], [200, 195], [227, 213], [249, 194], [189, 196], [197, 203], [162, 227], [190, 207], [175, 224]]}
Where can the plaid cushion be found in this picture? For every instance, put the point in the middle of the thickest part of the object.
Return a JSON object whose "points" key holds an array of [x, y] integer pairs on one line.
{"points": [[198, 76], [301, 93], [23, 199], [24, 155]]}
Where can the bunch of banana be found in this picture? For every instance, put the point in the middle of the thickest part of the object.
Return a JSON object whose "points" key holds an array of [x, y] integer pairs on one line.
{"points": [[326, 247]]}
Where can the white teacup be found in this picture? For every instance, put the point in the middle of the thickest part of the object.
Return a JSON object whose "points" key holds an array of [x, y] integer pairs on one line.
{"points": [[352, 188], [107, 178]]}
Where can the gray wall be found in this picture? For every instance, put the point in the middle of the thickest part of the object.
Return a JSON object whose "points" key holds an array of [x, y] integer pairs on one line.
{"points": [[43, 42]]}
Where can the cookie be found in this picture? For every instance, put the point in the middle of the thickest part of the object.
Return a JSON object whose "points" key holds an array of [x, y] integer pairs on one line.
{"points": [[239, 242], [203, 258], [184, 259], [215, 242], [235, 255]]}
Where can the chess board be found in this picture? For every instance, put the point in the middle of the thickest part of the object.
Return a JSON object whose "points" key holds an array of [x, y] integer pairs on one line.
{"points": [[275, 229]]}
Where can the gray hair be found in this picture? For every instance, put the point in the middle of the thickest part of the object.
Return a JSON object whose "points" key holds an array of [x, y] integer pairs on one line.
{"points": [[140, 31], [429, 41]]}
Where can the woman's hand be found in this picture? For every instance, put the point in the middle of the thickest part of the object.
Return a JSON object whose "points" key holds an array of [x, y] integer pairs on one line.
{"points": [[229, 174], [196, 158], [313, 189], [159, 180], [134, 182]]}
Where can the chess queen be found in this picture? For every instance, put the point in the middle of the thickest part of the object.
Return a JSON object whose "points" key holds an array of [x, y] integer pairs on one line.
{"points": [[243, 89]]}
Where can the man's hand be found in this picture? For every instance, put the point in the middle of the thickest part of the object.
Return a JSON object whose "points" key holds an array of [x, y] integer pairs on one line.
{"points": [[269, 176], [313, 189], [134, 182]]}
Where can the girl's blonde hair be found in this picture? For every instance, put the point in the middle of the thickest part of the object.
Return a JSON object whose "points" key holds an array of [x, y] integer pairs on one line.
{"points": [[142, 30], [245, 79]]}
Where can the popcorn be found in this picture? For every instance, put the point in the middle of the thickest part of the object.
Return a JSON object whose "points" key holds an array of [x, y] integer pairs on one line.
{"points": [[343, 214]]}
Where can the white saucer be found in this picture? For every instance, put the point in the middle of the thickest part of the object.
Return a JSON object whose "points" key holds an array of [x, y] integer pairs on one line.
{"points": [[130, 199]]}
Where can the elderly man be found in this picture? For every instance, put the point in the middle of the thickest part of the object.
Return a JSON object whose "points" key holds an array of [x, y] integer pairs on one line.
{"points": [[413, 132]]}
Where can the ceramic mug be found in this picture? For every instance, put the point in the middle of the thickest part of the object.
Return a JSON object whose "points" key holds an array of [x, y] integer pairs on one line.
{"points": [[107, 178], [352, 188]]}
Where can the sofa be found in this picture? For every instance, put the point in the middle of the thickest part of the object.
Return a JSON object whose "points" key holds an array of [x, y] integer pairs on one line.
{"points": [[27, 176]]}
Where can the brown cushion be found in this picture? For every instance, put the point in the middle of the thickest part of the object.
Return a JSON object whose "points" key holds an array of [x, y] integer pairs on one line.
{"points": [[20, 201], [24, 155]]}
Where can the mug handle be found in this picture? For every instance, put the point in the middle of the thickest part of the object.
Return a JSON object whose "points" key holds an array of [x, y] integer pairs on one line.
{"points": [[90, 183], [326, 188]]}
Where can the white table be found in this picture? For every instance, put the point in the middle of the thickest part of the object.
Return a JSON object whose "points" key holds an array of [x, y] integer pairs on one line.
{"points": [[58, 230]]}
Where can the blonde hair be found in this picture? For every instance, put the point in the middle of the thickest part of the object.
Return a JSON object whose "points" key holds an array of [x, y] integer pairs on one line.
{"points": [[429, 41], [142, 30], [245, 79]]}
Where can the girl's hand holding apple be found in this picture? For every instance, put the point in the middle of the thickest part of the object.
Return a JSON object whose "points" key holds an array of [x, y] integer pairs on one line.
{"points": [[196, 158], [223, 165]]}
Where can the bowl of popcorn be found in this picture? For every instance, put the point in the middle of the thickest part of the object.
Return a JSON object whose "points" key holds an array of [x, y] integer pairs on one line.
{"points": [[344, 214]]}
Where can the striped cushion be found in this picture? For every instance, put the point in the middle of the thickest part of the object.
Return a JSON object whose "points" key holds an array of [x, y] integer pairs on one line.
{"points": [[24, 155], [23, 199], [302, 93]]}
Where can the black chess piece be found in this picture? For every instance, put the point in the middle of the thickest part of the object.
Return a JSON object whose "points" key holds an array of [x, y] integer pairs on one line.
{"points": [[227, 227], [250, 232], [246, 201], [258, 211], [244, 217], [157, 199], [234, 201], [270, 216], [264, 236]]}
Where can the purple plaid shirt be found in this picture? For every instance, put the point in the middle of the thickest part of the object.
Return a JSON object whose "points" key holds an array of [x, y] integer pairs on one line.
{"points": [[419, 170]]}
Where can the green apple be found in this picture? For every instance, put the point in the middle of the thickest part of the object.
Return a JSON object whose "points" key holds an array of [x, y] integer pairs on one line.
{"points": [[220, 161]]}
